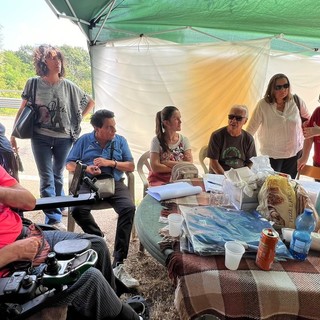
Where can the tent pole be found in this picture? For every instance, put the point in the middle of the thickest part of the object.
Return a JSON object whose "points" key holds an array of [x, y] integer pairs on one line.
{"points": [[281, 37]]}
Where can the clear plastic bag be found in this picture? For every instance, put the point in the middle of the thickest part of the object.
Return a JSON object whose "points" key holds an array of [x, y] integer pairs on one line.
{"points": [[206, 229]]}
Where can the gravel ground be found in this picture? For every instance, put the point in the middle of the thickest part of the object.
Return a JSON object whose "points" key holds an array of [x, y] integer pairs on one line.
{"points": [[155, 285]]}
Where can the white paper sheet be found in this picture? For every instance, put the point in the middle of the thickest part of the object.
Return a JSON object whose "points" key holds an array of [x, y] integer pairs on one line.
{"points": [[213, 181], [173, 190]]}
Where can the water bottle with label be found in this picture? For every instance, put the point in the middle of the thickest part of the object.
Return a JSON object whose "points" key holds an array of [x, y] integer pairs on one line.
{"points": [[301, 237]]}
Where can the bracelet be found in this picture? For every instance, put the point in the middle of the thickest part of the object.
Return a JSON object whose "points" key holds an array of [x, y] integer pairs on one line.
{"points": [[115, 163]]}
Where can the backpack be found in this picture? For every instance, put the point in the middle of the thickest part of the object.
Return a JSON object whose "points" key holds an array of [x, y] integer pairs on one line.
{"points": [[183, 170], [297, 101]]}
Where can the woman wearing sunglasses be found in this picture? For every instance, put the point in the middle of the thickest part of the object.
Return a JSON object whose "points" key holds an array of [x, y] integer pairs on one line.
{"points": [[231, 146], [277, 121]]}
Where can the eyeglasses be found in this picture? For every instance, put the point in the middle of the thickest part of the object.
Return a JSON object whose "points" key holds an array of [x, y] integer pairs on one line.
{"points": [[233, 116], [284, 86]]}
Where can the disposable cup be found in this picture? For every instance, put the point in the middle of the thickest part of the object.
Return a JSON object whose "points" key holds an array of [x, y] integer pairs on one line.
{"points": [[175, 222], [233, 254], [287, 234]]}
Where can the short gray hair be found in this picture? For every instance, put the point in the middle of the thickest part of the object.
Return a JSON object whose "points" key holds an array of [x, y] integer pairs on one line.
{"points": [[241, 107]]}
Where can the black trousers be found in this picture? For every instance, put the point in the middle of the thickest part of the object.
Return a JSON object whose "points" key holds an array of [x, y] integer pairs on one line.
{"points": [[123, 205], [288, 165]]}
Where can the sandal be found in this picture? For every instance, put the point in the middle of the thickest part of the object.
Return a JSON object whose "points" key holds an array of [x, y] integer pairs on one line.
{"points": [[140, 306]]}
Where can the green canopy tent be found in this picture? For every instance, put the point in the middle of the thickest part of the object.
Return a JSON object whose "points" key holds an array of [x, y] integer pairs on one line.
{"points": [[200, 55], [294, 25]]}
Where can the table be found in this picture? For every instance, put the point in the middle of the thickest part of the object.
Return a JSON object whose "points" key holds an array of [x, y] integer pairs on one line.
{"points": [[291, 290]]}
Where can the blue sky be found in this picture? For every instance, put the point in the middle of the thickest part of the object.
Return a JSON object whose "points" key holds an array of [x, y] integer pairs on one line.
{"points": [[32, 22]]}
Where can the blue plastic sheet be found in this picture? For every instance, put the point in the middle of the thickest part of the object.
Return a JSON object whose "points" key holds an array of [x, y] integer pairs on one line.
{"points": [[206, 229]]}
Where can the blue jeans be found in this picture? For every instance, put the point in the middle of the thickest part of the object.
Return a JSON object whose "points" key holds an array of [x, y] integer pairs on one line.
{"points": [[50, 155]]}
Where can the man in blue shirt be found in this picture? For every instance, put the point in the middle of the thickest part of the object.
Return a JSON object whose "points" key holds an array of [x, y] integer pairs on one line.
{"points": [[105, 152]]}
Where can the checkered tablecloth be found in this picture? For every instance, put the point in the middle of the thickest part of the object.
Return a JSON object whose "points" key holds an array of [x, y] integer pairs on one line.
{"points": [[291, 290]]}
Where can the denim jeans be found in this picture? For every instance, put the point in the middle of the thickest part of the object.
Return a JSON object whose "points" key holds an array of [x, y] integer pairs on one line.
{"points": [[50, 155]]}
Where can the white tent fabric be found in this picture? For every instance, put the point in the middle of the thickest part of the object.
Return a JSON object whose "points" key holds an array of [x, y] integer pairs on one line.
{"points": [[137, 78]]}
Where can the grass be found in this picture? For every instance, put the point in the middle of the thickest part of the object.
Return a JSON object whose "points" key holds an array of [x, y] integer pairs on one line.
{"points": [[10, 112]]}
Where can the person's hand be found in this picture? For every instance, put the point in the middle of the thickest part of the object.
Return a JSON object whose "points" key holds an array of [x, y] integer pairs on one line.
{"points": [[93, 170], [310, 132], [301, 163], [26, 249], [14, 144], [100, 162]]}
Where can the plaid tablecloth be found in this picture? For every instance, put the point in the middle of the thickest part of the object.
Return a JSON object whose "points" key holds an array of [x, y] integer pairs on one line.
{"points": [[291, 290]]}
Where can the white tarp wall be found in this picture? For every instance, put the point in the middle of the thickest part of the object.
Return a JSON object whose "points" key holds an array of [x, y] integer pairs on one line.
{"points": [[137, 78]]}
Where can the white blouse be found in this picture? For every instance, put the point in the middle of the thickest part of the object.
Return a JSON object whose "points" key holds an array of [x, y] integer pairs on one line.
{"points": [[279, 133]]}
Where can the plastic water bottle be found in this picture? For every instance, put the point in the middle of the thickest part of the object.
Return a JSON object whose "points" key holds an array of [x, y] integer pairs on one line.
{"points": [[301, 237]]}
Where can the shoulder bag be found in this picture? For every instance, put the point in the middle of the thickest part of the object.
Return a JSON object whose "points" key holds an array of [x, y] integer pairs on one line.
{"points": [[105, 182], [183, 170], [23, 127], [297, 101]]}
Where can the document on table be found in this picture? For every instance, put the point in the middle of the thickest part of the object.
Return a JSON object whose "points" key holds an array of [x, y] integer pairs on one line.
{"points": [[173, 190], [213, 181]]}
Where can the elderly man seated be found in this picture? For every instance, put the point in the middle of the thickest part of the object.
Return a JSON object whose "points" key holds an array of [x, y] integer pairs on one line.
{"points": [[93, 295], [105, 152], [231, 146]]}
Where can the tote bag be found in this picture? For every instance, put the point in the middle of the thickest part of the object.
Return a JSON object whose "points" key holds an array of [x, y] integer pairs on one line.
{"points": [[23, 127]]}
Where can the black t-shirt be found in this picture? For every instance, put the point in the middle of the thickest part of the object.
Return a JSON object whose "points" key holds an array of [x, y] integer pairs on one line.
{"points": [[231, 152]]}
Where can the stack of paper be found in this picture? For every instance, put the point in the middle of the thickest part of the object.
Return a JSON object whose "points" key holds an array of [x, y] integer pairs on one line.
{"points": [[173, 190]]}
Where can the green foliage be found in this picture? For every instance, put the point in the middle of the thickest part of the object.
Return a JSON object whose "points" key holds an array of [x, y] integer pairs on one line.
{"points": [[17, 66]]}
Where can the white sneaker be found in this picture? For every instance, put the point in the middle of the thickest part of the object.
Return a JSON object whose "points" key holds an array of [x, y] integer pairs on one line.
{"points": [[60, 226], [123, 276]]}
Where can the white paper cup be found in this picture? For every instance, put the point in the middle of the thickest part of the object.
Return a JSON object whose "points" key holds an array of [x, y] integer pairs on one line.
{"points": [[287, 234], [175, 222], [233, 254]]}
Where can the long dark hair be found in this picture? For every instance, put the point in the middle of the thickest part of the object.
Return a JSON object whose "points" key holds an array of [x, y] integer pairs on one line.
{"points": [[269, 95], [39, 59], [165, 114]]}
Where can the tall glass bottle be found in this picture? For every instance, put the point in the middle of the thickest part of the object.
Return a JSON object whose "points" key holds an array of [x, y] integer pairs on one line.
{"points": [[301, 237]]}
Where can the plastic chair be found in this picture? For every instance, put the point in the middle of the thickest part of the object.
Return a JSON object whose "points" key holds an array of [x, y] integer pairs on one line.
{"points": [[143, 168], [309, 171], [103, 204], [202, 157]]}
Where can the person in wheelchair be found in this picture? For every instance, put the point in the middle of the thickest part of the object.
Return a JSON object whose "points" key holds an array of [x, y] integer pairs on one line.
{"points": [[95, 295]]}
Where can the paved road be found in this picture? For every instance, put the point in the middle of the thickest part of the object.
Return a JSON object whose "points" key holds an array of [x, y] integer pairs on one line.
{"points": [[29, 177]]}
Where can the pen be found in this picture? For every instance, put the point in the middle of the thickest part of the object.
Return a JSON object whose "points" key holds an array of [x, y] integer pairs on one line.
{"points": [[218, 184]]}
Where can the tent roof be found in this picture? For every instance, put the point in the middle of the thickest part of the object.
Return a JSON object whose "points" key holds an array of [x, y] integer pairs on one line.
{"points": [[294, 25]]}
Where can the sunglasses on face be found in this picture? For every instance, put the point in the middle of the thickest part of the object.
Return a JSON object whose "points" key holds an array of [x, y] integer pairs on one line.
{"points": [[280, 86], [233, 116]]}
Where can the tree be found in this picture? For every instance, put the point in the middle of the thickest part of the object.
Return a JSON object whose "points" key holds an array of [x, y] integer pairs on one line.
{"points": [[78, 67], [17, 66]]}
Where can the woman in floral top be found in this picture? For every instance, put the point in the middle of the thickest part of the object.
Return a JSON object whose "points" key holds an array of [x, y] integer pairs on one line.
{"points": [[168, 146]]}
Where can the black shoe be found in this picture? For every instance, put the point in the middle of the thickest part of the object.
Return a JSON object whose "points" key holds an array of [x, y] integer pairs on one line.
{"points": [[121, 288], [140, 306]]}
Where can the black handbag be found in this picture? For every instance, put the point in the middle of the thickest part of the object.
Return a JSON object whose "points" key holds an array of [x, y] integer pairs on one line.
{"points": [[23, 127]]}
